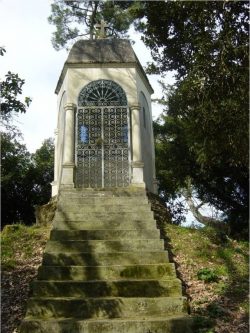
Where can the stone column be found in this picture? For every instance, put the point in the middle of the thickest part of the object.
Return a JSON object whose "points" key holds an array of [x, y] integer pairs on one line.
{"points": [[54, 184], [137, 163], [69, 146]]}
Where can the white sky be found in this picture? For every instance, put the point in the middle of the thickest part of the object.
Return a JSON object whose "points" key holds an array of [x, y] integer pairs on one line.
{"points": [[26, 35]]}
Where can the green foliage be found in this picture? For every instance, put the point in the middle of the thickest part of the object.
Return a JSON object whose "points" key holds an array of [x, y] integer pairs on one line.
{"points": [[201, 324], [203, 133], [25, 179], [215, 310], [11, 89], [207, 275], [188, 35], [16, 185], [74, 19], [43, 167]]}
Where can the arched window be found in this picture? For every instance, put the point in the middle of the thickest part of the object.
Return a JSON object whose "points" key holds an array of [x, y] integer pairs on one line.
{"points": [[102, 93]]}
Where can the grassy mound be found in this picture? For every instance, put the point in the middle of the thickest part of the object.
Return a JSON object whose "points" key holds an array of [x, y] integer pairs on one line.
{"points": [[22, 248], [214, 272]]}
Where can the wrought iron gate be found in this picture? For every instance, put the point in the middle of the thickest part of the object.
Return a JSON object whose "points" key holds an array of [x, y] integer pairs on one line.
{"points": [[102, 147]]}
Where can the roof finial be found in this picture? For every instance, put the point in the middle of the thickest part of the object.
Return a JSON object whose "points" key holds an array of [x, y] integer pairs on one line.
{"points": [[102, 29]]}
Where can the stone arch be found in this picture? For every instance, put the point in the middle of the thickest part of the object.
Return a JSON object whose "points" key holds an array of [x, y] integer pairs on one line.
{"points": [[102, 93]]}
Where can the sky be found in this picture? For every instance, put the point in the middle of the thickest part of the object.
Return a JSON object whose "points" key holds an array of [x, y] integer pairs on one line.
{"points": [[26, 35]]}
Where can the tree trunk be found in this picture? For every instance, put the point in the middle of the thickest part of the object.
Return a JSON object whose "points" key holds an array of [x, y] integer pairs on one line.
{"points": [[92, 20], [206, 220]]}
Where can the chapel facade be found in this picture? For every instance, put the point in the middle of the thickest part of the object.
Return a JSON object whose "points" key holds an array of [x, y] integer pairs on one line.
{"points": [[104, 135]]}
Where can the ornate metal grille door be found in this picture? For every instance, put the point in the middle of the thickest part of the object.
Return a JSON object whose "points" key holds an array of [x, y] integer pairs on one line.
{"points": [[102, 147]]}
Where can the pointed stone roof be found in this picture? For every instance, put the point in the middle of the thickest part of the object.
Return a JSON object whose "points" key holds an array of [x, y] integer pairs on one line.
{"points": [[102, 51]]}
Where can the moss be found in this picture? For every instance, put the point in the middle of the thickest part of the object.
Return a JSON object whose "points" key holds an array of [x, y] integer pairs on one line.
{"points": [[20, 242]]}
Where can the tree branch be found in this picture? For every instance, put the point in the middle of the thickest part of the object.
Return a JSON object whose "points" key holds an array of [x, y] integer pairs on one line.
{"points": [[206, 220]]}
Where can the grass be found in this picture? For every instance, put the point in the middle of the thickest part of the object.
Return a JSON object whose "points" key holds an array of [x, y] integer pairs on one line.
{"points": [[215, 271], [20, 243], [22, 248]]}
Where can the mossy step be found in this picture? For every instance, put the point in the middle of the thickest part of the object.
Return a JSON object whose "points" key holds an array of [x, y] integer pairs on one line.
{"points": [[107, 216], [104, 234], [106, 307], [172, 324], [109, 224], [93, 246], [103, 193], [80, 273], [122, 288], [103, 259], [76, 199], [103, 208]]}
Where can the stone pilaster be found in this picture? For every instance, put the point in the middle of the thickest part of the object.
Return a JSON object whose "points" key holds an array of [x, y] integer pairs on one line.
{"points": [[54, 184], [69, 146], [137, 163]]}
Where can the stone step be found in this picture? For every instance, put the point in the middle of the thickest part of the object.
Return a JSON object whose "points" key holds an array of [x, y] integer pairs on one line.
{"points": [[111, 272], [78, 200], [103, 259], [171, 324], [104, 193], [104, 308], [120, 288], [93, 246], [103, 207], [104, 234], [108, 224], [122, 216]]}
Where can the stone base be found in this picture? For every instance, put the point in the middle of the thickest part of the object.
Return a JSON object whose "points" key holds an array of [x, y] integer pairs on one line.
{"points": [[67, 180], [54, 189], [137, 173]]}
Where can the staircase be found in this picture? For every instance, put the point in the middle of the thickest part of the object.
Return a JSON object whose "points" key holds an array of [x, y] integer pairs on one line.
{"points": [[105, 270]]}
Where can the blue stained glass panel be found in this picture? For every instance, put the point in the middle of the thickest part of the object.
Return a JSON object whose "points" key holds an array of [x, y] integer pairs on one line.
{"points": [[84, 134], [125, 133]]}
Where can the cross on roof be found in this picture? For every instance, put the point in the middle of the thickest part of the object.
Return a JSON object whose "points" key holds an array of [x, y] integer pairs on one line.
{"points": [[102, 27]]}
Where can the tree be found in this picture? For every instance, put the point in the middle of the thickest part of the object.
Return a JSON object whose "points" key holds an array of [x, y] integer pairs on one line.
{"points": [[11, 89], [16, 188], [43, 169], [203, 134], [74, 19], [25, 179]]}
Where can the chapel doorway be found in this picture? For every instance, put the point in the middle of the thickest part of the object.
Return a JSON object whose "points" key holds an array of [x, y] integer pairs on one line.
{"points": [[102, 136]]}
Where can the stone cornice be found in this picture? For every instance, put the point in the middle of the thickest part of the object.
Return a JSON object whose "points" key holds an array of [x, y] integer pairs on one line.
{"points": [[135, 65]]}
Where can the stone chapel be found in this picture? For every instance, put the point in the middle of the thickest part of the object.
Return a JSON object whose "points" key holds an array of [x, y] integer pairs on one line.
{"points": [[104, 267], [104, 136]]}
